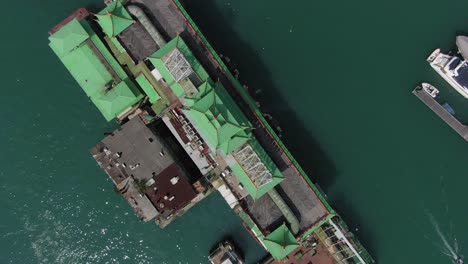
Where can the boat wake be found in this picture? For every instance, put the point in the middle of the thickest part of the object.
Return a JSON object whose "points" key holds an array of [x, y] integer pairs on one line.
{"points": [[449, 249]]}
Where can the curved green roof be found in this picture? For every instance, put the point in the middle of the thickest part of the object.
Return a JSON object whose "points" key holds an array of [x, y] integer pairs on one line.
{"points": [[217, 123], [114, 19], [280, 242], [68, 37], [205, 102]]}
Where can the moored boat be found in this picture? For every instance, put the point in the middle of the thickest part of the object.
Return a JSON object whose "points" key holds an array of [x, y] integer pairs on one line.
{"points": [[430, 89], [453, 68]]}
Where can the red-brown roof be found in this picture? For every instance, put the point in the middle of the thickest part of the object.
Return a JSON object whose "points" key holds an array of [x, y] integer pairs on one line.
{"points": [[168, 198]]}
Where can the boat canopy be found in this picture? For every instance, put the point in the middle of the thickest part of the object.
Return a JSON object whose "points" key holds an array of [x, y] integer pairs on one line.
{"points": [[462, 44]]}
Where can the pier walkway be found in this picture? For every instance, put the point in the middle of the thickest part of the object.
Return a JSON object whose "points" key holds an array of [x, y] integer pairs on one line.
{"points": [[453, 122]]}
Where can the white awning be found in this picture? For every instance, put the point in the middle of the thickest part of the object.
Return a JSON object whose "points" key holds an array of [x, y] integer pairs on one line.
{"points": [[228, 196]]}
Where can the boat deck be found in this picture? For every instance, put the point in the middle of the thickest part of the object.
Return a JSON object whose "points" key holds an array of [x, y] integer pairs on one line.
{"points": [[453, 122]]}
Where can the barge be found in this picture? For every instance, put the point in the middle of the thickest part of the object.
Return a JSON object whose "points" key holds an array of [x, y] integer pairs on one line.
{"points": [[189, 128]]}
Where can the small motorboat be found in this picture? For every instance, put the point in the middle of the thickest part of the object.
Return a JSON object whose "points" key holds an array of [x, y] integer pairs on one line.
{"points": [[458, 260], [431, 90]]}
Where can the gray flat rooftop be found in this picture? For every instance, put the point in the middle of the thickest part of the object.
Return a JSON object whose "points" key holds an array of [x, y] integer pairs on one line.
{"points": [[140, 203], [137, 42], [298, 196], [139, 150], [264, 212], [163, 15], [301, 199]]}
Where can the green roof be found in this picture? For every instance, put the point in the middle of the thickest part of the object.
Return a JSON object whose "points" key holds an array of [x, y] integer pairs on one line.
{"points": [[179, 43], [68, 37], [149, 90], [223, 126], [88, 70], [104, 51], [86, 62], [280, 242], [266, 160], [118, 99], [215, 115], [217, 118], [118, 45], [252, 189], [168, 78], [114, 19]]}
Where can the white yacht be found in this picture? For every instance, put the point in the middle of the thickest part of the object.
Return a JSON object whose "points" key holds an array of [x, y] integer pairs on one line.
{"points": [[453, 68], [431, 90]]}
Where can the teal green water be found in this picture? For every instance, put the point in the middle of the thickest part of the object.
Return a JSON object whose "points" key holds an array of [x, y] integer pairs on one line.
{"points": [[336, 75]]}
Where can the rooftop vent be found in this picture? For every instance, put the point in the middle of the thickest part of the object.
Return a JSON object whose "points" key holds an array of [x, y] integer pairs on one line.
{"points": [[253, 166], [174, 180], [178, 66]]}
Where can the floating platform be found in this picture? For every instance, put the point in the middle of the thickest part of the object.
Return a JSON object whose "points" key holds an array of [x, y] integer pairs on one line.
{"points": [[189, 127], [437, 108]]}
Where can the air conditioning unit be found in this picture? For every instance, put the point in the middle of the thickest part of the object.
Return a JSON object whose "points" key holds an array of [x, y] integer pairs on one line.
{"points": [[174, 180]]}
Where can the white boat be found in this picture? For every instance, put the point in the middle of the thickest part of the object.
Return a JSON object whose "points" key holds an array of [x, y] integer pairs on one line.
{"points": [[453, 68], [458, 260], [431, 90]]}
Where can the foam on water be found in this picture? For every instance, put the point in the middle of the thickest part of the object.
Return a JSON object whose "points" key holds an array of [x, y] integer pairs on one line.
{"points": [[56, 240]]}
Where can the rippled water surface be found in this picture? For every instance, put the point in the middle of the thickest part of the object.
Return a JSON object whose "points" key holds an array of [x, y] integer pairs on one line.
{"points": [[336, 75]]}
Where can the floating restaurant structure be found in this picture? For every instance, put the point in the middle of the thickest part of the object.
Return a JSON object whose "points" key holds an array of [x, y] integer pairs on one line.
{"points": [[188, 128]]}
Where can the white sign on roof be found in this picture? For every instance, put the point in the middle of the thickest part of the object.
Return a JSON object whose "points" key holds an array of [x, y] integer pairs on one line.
{"points": [[156, 74]]}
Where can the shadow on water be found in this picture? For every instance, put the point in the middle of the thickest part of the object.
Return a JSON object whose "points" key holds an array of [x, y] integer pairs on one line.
{"points": [[94, 7], [254, 73], [216, 26]]}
